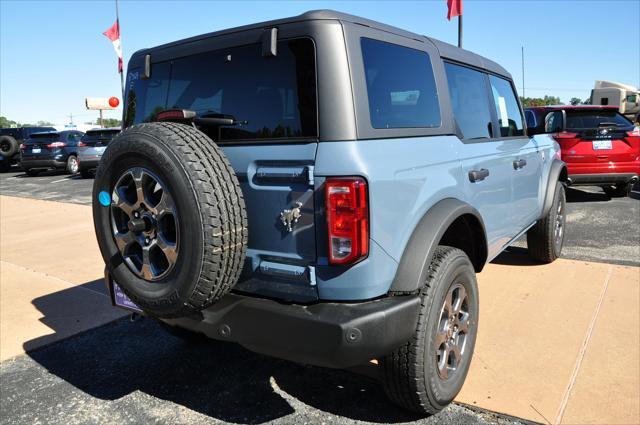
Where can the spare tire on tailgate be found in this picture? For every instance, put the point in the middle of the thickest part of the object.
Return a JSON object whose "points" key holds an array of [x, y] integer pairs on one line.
{"points": [[170, 218]]}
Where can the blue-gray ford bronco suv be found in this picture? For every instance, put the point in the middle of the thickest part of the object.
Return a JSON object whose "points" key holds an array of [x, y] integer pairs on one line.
{"points": [[323, 189]]}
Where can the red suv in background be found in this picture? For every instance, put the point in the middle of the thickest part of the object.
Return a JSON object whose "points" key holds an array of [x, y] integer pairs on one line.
{"points": [[599, 145]]}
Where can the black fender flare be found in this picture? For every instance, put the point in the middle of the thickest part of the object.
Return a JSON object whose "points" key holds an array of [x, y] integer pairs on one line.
{"points": [[558, 172], [418, 252]]}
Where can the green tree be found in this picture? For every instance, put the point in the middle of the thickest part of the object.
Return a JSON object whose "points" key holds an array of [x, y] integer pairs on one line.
{"points": [[111, 122], [575, 101], [4, 122], [44, 123], [540, 101]]}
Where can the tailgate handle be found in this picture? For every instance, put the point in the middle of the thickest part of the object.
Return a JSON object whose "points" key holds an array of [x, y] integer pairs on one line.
{"points": [[282, 174]]}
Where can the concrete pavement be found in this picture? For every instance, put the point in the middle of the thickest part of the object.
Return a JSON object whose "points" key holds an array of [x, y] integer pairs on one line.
{"points": [[557, 343]]}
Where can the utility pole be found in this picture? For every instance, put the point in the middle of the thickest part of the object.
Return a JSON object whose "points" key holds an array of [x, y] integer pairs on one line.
{"points": [[71, 119], [460, 31], [523, 92]]}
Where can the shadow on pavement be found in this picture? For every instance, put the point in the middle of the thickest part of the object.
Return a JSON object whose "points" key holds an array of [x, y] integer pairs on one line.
{"points": [[577, 195], [515, 256], [221, 380]]}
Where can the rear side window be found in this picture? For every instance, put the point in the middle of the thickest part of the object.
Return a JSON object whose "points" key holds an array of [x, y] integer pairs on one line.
{"points": [[507, 108], [274, 97], [579, 120], [469, 101], [400, 86]]}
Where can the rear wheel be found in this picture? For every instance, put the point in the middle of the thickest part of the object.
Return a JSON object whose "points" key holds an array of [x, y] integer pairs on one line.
{"points": [[426, 373], [618, 191], [546, 237], [170, 221], [72, 164]]}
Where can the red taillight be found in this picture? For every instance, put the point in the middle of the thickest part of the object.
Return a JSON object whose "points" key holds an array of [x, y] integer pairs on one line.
{"points": [[82, 144], [566, 140], [56, 145], [347, 219], [634, 133]]}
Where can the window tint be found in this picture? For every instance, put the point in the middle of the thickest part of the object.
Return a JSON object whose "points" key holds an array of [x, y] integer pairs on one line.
{"points": [[469, 101], [507, 108], [400, 86], [274, 97], [531, 119], [578, 120]]}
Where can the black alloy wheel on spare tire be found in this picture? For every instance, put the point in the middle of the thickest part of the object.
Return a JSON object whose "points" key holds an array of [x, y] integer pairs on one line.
{"points": [[170, 218], [8, 146]]}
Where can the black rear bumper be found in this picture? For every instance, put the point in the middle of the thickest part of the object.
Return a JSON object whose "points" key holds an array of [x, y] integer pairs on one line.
{"points": [[333, 335], [42, 163], [602, 179]]}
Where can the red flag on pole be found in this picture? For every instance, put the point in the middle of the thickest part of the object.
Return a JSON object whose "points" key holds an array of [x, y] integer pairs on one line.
{"points": [[113, 34], [455, 8]]}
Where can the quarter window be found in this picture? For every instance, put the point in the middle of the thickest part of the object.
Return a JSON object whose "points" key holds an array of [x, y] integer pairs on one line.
{"points": [[400, 86], [507, 108], [469, 101]]}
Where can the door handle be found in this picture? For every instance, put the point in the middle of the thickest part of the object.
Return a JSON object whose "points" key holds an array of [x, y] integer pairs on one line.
{"points": [[478, 175], [519, 163]]}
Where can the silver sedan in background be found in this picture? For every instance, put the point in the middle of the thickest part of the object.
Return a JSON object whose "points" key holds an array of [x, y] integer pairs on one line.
{"points": [[91, 148]]}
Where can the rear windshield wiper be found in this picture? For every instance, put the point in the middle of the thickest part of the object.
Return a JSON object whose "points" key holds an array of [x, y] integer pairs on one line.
{"points": [[218, 119], [210, 119]]}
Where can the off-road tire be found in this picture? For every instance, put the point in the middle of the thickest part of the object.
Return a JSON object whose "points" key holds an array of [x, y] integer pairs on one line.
{"points": [[210, 209], [86, 174], [543, 244], [618, 191], [72, 164], [410, 374], [8, 146]]}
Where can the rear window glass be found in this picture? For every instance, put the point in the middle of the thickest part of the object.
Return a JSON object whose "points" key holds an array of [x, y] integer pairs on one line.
{"points": [[45, 135], [400, 86], [594, 119], [100, 134], [469, 101], [273, 97]]}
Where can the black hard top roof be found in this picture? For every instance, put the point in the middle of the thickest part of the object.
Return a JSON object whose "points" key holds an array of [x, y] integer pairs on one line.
{"points": [[446, 50]]}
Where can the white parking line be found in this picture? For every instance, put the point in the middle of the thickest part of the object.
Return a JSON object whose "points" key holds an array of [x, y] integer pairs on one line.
{"points": [[56, 181]]}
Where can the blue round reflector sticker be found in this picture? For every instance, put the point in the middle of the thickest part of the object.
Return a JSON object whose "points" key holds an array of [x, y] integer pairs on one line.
{"points": [[104, 198]]}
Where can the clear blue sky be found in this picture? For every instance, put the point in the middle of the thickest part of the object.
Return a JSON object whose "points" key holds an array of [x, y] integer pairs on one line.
{"points": [[53, 54]]}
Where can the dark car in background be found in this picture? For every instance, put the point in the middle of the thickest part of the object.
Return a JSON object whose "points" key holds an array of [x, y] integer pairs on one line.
{"points": [[91, 148], [50, 150], [600, 146], [10, 140]]}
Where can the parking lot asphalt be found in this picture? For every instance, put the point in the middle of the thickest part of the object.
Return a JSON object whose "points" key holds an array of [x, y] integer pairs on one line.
{"points": [[126, 372]]}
